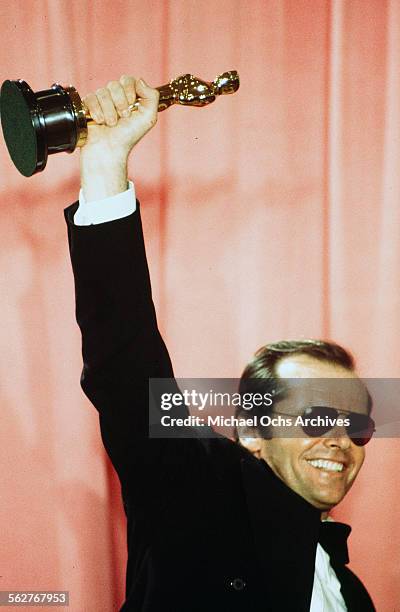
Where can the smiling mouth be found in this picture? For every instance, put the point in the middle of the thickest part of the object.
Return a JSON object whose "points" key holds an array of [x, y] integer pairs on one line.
{"points": [[324, 464]]}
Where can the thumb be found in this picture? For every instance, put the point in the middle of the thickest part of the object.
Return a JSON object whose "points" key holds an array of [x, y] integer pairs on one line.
{"points": [[148, 96]]}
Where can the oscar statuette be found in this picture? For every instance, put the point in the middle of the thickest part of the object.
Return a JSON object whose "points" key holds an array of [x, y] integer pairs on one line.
{"points": [[39, 124]]}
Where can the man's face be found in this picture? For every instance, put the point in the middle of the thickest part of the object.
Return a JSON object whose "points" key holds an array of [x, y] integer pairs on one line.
{"points": [[290, 458]]}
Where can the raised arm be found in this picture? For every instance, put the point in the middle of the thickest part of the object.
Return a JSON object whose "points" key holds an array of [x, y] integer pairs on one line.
{"points": [[121, 344]]}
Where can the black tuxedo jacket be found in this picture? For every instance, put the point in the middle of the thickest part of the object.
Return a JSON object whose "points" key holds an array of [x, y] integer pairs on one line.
{"points": [[209, 526]]}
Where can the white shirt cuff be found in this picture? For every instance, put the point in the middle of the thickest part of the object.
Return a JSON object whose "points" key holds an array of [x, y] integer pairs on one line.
{"points": [[108, 209]]}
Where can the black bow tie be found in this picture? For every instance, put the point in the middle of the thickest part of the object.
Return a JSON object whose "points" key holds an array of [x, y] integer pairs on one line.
{"points": [[333, 539]]}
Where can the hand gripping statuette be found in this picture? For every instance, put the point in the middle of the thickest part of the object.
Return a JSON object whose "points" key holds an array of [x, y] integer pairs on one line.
{"points": [[39, 124]]}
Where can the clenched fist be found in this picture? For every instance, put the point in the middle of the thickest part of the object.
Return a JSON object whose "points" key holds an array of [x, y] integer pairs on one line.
{"points": [[115, 131]]}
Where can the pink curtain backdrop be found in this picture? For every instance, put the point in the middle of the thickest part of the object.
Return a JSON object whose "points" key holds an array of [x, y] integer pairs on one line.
{"points": [[274, 213]]}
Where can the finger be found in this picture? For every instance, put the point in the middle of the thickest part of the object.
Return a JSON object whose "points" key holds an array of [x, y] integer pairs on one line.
{"points": [[92, 104], [119, 98], [107, 106], [149, 98], [129, 85]]}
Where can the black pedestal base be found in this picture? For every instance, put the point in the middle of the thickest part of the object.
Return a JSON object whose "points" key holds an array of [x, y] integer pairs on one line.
{"points": [[36, 125]]}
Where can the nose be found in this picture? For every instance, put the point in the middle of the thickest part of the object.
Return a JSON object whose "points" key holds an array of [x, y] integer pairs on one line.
{"points": [[338, 439]]}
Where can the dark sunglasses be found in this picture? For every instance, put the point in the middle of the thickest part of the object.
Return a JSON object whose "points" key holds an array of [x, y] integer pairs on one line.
{"points": [[360, 429]]}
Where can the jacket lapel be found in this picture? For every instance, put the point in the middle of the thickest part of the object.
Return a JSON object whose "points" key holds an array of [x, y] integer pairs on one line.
{"points": [[285, 529]]}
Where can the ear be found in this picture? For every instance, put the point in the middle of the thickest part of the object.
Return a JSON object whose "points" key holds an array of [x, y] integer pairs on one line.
{"points": [[252, 444]]}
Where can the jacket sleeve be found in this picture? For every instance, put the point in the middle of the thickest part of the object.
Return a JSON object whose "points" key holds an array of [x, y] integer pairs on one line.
{"points": [[121, 344]]}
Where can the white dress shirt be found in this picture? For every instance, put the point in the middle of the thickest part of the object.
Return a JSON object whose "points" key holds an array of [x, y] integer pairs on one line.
{"points": [[109, 209], [326, 595]]}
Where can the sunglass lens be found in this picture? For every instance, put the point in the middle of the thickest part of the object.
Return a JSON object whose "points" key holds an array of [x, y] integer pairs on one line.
{"points": [[316, 420], [361, 429]]}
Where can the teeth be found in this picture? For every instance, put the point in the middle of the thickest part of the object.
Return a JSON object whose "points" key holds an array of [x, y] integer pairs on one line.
{"points": [[331, 466]]}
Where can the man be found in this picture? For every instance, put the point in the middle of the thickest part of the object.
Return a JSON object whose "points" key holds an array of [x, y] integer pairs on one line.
{"points": [[211, 526]]}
